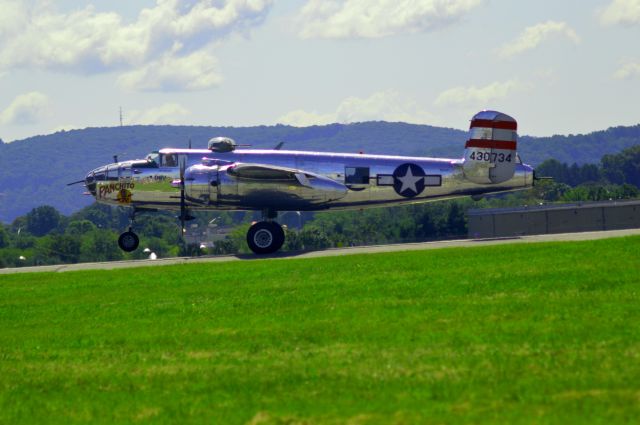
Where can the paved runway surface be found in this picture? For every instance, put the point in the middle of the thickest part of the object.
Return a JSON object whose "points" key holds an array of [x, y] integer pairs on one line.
{"points": [[328, 252]]}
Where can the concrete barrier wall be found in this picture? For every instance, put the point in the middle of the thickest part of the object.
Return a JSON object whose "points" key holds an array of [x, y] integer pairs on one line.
{"points": [[553, 219], [624, 217]]}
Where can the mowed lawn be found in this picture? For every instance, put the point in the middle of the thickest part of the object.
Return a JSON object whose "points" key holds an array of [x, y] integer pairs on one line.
{"points": [[528, 333]]}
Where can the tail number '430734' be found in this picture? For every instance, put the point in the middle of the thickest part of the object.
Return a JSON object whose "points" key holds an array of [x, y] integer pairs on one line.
{"points": [[490, 157]]}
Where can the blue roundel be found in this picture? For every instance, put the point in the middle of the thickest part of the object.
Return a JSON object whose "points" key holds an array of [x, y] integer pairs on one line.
{"points": [[408, 180]]}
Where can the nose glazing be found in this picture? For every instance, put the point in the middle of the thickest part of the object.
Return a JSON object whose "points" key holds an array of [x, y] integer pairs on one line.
{"points": [[90, 183]]}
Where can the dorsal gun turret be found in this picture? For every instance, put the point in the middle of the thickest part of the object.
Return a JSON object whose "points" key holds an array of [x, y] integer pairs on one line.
{"points": [[222, 144], [490, 152]]}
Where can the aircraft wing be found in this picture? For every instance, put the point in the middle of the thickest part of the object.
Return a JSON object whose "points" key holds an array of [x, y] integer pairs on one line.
{"points": [[271, 173], [290, 187]]}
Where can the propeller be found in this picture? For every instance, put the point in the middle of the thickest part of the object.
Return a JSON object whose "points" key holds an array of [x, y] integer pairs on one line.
{"points": [[278, 146], [72, 183], [183, 206], [184, 214]]}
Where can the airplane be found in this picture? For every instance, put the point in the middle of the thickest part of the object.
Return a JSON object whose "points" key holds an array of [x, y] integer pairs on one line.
{"points": [[224, 177]]}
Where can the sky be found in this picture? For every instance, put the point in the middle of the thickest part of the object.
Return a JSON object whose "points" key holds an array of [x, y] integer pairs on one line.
{"points": [[558, 67]]}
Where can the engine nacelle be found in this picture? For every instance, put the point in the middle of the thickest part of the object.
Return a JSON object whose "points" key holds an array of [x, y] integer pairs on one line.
{"points": [[254, 186], [490, 153]]}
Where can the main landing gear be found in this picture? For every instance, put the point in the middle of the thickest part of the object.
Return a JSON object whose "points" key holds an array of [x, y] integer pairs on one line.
{"points": [[267, 236]]}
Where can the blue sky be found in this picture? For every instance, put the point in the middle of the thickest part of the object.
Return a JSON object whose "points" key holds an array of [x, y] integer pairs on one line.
{"points": [[558, 67]]}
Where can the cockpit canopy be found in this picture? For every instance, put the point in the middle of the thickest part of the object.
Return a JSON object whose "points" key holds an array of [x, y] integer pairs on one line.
{"points": [[153, 158]]}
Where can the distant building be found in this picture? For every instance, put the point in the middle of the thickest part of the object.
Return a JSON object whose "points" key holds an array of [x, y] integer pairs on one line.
{"points": [[207, 235], [562, 218]]}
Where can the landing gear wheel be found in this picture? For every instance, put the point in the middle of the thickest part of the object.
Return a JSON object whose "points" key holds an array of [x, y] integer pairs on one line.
{"points": [[265, 237], [128, 241]]}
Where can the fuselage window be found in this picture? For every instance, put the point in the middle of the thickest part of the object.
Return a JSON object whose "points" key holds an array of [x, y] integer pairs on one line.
{"points": [[356, 175], [170, 160]]}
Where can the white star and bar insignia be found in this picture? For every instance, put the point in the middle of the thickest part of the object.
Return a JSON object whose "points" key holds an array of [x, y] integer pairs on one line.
{"points": [[408, 180]]}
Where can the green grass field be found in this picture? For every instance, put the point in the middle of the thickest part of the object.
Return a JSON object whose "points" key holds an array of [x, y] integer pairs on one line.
{"points": [[527, 333]]}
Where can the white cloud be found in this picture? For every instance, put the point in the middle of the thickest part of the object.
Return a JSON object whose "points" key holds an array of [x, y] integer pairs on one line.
{"points": [[627, 71], [625, 12], [532, 36], [386, 105], [168, 113], [196, 71], [300, 118], [28, 108], [12, 17], [473, 96], [378, 18], [87, 41]]}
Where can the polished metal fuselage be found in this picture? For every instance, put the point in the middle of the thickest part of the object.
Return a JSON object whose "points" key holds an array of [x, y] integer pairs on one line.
{"points": [[211, 185]]}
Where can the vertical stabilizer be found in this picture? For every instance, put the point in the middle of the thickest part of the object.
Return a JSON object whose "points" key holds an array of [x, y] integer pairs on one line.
{"points": [[490, 152]]}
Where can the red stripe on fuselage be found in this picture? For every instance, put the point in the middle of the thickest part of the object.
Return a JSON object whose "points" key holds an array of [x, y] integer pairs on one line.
{"points": [[490, 144], [504, 125]]}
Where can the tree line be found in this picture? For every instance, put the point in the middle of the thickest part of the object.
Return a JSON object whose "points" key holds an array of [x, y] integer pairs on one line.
{"points": [[622, 168]]}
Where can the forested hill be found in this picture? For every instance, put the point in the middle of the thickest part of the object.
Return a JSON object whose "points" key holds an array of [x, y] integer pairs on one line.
{"points": [[35, 171]]}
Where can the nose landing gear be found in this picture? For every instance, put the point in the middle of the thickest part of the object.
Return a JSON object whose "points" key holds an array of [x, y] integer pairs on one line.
{"points": [[128, 241]]}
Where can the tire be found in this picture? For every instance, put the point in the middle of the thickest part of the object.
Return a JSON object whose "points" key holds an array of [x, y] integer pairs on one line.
{"points": [[265, 237], [128, 241]]}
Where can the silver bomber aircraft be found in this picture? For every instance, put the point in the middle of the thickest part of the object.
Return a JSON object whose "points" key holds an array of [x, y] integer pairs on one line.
{"points": [[224, 177]]}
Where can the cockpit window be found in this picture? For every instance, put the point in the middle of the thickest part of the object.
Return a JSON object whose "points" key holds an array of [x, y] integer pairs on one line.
{"points": [[112, 172], [169, 160], [153, 157]]}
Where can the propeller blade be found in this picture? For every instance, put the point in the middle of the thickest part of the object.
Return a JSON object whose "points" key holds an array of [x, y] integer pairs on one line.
{"points": [[71, 184], [278, 146], [183, 207]]}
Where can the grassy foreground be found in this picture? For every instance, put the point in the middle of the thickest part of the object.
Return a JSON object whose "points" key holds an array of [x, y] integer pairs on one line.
{"points": [[536, 333]]}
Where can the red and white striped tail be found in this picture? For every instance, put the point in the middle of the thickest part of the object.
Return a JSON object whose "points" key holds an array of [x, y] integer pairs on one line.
{"points": [[490, 152]]}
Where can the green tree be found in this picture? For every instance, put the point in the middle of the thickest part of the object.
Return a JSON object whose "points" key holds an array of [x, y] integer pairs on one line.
{"points": [[66, 247], [4, 237], [314, 238], [456, 223], [100, 245], [426, 226], [10, 257], [42, 220], [623, 167], [80, 227]]}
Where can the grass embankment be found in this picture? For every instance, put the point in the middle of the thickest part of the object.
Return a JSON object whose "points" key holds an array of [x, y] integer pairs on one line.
{"points": [[521, 334]]}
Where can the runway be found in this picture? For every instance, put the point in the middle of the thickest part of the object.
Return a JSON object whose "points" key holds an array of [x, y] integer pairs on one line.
{"points": [[328, 252]]}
